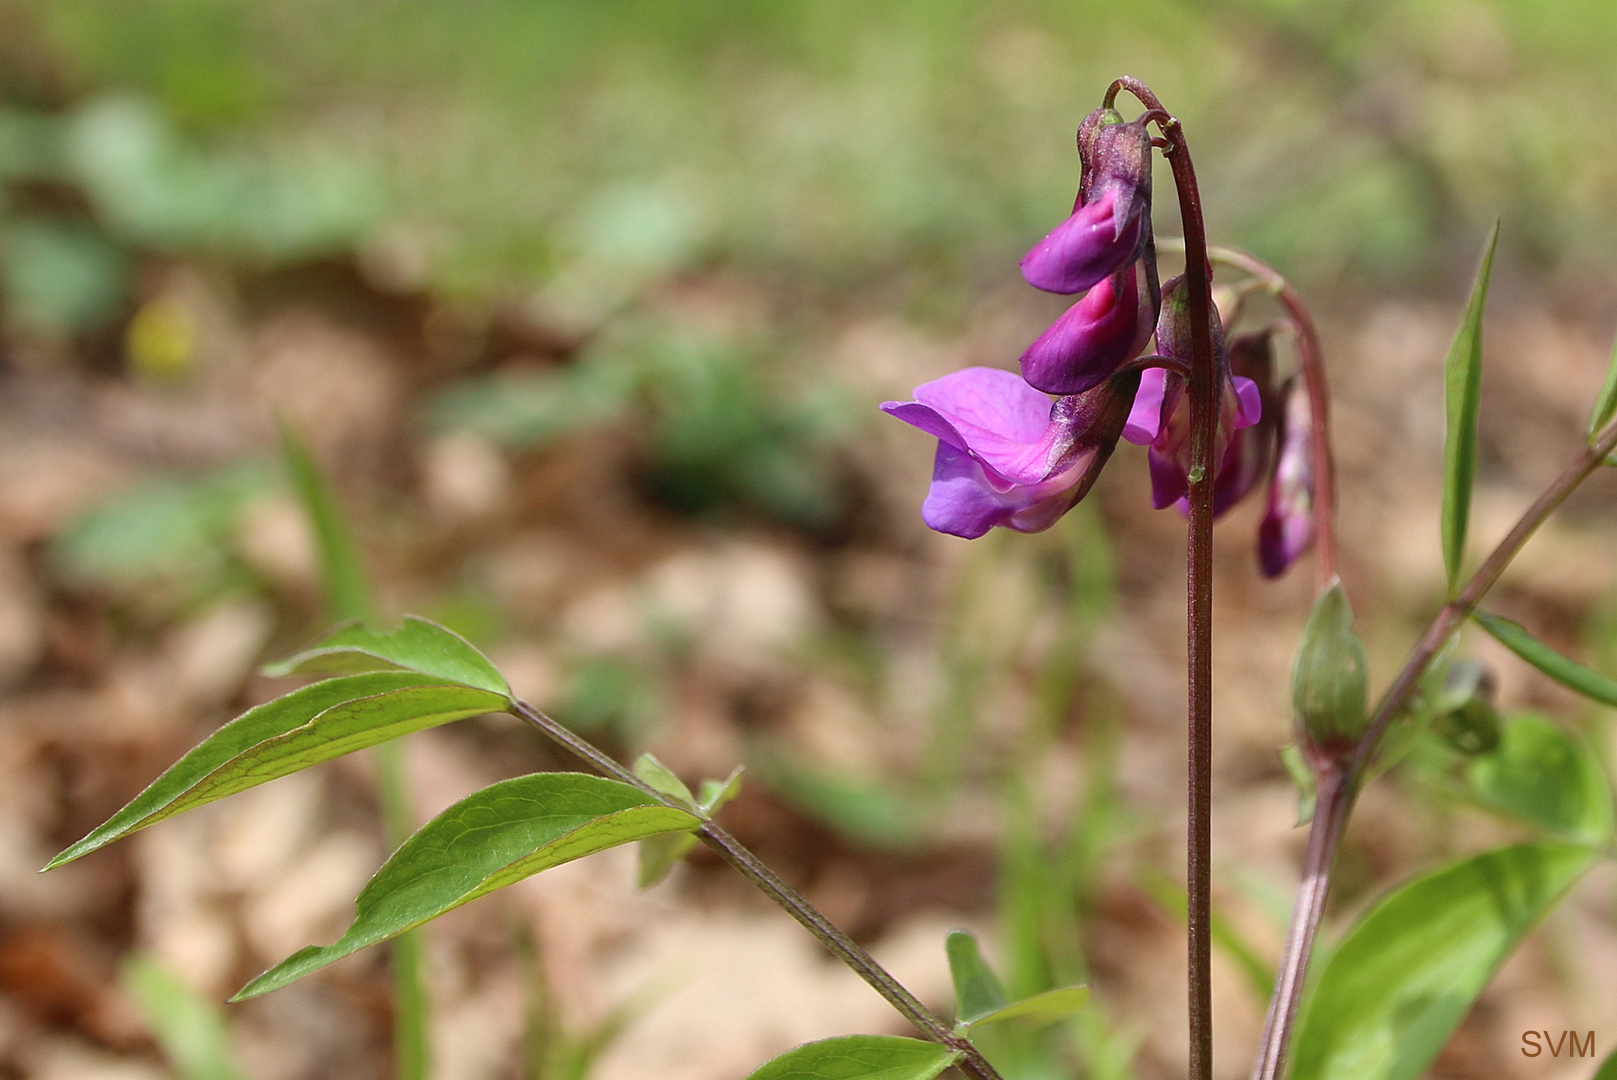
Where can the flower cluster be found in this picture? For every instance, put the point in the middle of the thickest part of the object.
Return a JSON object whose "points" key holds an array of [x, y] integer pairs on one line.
{"points": [[1008, 455]]}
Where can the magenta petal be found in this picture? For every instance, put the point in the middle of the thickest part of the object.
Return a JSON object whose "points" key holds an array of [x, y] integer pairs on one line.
{"points": [[1146, 419], [1249, 401], [994, 416], [1084, 250], [1092, 339], [962, 501]]}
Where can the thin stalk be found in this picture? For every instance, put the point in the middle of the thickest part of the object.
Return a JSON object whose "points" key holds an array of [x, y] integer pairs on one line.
{"points": [[1325, 836], [1204, 390], [411, 1047], [972, 1063], [1331, 810]]}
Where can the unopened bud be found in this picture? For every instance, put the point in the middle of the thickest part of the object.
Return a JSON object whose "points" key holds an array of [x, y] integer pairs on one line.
{"points": [[1329, 682]]}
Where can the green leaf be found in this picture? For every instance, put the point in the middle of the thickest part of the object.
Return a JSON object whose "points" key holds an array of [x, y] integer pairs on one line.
{"points": [[488, 840], [1330, 676], [659, 854], [715, 794], [1409, 971], [977, 990], [1462, 378], [1546, 776], [188, 1028], [1569, 673], [417, 645], [348, 590], [1291, 756], [860, 1057], [1045, 1008], [1607, 1070], [310, 724], [1606, 404], [659, 776]]}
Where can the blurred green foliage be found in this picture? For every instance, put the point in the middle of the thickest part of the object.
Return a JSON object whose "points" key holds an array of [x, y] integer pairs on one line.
{"points": [[836, 140]]}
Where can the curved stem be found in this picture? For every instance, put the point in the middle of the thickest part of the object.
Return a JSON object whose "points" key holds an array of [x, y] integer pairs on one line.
{"points": [[1204, 390], [971, 1062], [1330, 817]]}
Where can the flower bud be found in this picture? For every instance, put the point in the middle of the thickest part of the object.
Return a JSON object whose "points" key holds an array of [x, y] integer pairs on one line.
{"points": [[1329, 682], [1110, 225], [1110, 326], [1288, 522]]}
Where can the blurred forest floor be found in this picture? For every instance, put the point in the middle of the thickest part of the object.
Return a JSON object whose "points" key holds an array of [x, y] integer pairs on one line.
{"points": [[587, 316]]}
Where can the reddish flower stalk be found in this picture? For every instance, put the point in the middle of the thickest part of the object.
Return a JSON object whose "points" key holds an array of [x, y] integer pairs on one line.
{"points": [[1204, 390]]}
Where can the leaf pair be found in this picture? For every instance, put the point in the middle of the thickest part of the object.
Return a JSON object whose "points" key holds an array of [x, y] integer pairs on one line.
{"points": [[388, 684], [417, 677]]}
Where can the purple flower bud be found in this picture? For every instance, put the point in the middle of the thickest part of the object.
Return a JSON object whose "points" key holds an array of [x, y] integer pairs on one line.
{"points": [[1288, 523], [1007, 455], [1097, 335], [1110, 226], [1246, 459]]}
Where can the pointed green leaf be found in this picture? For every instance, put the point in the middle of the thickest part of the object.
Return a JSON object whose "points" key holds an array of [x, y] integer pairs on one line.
{"points": [[1406, 975], [1045, 1008], [1606, 404], [417, 645], [488, 840], [1569, 673], [1462, 378], [1607, 1070], [659, 776], [188, 1028], [281, 736], [716, 793], [659, 854], [977, 990], [1547, 776], [1291, 756], [860, 1057], [348, 591]]}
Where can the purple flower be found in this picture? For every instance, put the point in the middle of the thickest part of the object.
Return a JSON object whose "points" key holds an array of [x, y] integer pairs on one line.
{"points": [[1097, 335], [1110, 226], [1006, 454], [1288, 522], [1160, 417]]}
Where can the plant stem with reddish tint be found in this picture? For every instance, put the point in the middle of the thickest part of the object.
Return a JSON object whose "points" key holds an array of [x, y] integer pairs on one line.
{"points": [[1204, 390]]}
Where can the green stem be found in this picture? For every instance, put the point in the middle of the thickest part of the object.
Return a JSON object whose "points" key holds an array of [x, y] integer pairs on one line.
{"points": [[1330, 820], [971, 1062]]}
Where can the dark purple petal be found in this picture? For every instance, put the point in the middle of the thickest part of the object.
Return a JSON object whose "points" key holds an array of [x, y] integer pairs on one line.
{"points": [[1087, 248], [1288, 521], [1093, 338], [1169, 481]]}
